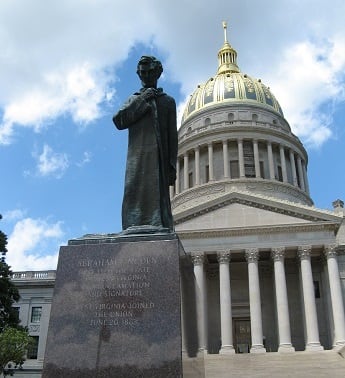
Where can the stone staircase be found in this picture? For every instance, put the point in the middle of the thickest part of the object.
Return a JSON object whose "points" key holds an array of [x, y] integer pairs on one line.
{"points": [[276, 365]]}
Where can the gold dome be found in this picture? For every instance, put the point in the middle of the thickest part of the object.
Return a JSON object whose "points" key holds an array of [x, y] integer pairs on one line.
{"points": [[230, 85]]}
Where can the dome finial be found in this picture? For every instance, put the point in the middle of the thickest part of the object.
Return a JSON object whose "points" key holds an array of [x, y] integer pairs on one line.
{"points": [[227, 56], [225, 25]]}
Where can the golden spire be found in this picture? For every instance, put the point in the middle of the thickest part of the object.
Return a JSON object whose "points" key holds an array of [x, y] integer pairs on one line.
{"points": [[225, 25], [227, 56]]}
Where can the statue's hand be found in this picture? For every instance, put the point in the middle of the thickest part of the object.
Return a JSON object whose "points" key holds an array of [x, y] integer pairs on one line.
{"points": [[149, 94]]}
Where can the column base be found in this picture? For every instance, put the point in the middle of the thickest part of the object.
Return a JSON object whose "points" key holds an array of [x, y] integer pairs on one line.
{"points": [[258, 348], [339, 346], [313, 347], [227, 349], [201, 353], [286, 348]]}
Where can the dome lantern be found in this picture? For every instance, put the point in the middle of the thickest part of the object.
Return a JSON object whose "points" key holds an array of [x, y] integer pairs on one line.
{"points": [[227, 56]]}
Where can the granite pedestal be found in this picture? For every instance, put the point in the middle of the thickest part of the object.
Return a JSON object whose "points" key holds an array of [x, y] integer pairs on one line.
{"points": [[116, 309]]}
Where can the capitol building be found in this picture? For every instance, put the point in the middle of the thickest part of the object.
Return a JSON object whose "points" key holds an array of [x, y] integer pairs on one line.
{"points": [[268, 264]]}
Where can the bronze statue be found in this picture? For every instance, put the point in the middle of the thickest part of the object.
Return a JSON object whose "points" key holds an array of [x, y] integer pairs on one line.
{"points": [[150, 117]]}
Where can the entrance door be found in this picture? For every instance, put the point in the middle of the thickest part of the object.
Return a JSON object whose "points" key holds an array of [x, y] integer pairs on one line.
{"points": [[242, 335]]}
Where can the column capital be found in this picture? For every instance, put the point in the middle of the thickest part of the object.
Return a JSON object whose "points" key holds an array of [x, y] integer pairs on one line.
{"points": [[330, 251], [304, 252], [252, 254], [198, 259], [278, 253], [223, 257]]}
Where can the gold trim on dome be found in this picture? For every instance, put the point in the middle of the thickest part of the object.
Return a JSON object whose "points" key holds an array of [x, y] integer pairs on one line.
{"points": [[229, 85]]}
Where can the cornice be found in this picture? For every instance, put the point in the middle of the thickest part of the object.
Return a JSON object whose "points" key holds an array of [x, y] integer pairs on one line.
{"points": [[258, 230]]}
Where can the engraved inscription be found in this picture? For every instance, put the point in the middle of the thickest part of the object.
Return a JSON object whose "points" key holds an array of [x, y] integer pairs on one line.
{"points": [[122, 299]]}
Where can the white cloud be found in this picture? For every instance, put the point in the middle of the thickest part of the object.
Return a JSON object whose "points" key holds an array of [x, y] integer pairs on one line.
{"points": [[78, 92], [86, 159], [309, 77], [52, 163], [30, 243], [58, 58], [13, 215]]}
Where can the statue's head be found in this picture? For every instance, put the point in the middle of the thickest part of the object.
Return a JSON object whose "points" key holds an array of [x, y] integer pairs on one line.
{"points": [[149, 70]]}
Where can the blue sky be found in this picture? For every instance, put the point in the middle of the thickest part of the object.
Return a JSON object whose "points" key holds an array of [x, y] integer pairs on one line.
{"points": [[67, 66]]}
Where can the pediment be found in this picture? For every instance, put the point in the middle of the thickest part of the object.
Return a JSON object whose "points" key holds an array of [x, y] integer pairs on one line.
{"points": [[245, 211]]}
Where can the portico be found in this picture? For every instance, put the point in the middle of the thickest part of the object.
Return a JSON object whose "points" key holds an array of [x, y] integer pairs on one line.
{"points": [[243, 322]]}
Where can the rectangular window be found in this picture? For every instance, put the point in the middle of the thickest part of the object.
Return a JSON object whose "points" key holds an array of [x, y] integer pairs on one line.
{"points": [[248, 155], [207, 173], [36, 313], [190, 180], [317, 289], [33, 348], [16, 312], [262, 169], [234, 169], [280, 173]]}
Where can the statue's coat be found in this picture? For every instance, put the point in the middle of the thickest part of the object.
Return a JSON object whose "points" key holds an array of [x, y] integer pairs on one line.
{"points": [[151, 159]]}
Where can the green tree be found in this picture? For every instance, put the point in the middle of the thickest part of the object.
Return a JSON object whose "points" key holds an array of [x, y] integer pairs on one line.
{"points": [[13, 346], [14, 339], [8, 292]]}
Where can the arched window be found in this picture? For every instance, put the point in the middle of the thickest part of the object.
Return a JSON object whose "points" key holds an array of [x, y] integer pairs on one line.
{"points": [[207, 121], [231, 117]]}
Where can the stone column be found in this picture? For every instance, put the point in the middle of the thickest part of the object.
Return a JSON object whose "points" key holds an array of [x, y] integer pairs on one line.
{"points": [[198, 261], [306, 183], [256, 158], [283, 163], [177, 182], [293, 168], [282, 301], [225, 303], [270, 160], [313, 341], [336, 297], [252, 256], [171, 192], [210, 162], [197, 165], [185, 171], [226, 158], [300, 173], [241, 157]]}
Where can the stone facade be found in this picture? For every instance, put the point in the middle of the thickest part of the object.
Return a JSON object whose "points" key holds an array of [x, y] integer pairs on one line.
{"points": [[36, 292], [266, 260]]}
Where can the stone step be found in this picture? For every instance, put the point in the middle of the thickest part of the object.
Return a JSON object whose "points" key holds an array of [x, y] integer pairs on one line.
{"points": [[299, 364]]}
